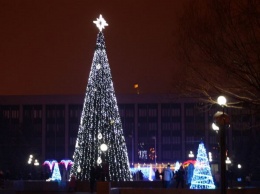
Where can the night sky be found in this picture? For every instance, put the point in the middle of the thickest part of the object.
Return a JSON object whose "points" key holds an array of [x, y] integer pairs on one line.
{"points": [[47, 46]]}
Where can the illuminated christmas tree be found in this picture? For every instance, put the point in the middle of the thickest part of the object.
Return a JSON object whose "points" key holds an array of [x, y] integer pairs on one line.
{"points": [[100, 141], [56, 173], [202, 177]]}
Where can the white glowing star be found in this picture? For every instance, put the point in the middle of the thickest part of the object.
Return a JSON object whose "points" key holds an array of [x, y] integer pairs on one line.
{"points": [[100, 23]]}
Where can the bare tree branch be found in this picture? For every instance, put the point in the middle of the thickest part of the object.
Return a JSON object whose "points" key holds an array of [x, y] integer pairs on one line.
{"points": [[219, 45]]}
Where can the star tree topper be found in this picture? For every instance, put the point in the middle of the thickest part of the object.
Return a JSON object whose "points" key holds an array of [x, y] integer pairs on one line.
{"points": [[100, 23]]}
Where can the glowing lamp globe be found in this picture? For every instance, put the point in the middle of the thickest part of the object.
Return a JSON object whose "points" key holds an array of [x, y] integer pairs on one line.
{"points": [[103, 147], [214, 127], [222, 100], [221, 119]]}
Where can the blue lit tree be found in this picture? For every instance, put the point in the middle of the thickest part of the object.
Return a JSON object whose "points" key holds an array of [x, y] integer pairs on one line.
{"points": [[56, 173], [202, 177], [100, 123]]}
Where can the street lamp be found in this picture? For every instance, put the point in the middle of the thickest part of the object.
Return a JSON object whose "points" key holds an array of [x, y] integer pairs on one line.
{"points": [[132, 138], [222, 101], [228, 161], [30, 159], [154, 150], [36, 163], [191, 155], [215, 127], [221, 119]]}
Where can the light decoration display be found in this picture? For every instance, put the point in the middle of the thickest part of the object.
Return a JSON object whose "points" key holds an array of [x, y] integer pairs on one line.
{"points": [[56, 173], [191, 155], [142, 152], [100, 122], [66, 163], [210, 156], [151, 173], [202, 177], [177, 166], [148, 172], [30, 159], [188, 162], [100, 23], [50, 164], [152, 154]]}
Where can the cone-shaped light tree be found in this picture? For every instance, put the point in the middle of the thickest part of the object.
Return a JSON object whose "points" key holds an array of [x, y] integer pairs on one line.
{"points": [[100, 142], [56, 173], [202, 177]]}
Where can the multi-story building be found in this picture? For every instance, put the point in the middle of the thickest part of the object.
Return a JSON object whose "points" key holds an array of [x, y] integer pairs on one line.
{"points": [[160, 125]]}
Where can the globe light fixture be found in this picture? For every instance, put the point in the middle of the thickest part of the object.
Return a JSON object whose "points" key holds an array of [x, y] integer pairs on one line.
{"points": [[222, 100], [214, 127], [103, 147]]}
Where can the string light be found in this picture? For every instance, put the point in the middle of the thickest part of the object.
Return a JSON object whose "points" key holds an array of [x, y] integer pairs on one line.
{"points": [[202, 177], [100, 121], [56, 173]]}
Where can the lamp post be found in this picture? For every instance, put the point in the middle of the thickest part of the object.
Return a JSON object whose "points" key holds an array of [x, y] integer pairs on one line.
{"points": [[191, 155], [221, 119], [132, 139], [228, 161], [154, 151]]}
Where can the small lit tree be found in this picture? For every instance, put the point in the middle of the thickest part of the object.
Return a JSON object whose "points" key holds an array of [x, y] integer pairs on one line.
{"points": [[202, 177], [56, 173]]}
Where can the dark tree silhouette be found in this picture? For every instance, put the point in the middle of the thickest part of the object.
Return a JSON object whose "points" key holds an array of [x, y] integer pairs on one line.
{"points": [[219, 45], [219, 49]]}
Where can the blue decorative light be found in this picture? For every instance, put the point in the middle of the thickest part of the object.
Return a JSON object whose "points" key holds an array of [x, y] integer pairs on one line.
{"points": [[202, 177], [148, 173], [56, 173], [177, 166]]}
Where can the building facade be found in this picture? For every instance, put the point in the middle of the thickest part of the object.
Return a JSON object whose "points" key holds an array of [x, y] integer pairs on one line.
{"points": [[157, 128]]}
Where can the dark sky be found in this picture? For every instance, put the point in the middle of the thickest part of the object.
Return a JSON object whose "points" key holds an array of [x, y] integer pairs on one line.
{"points": [[47, 46]]}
